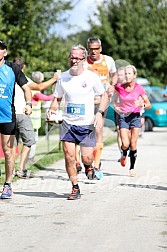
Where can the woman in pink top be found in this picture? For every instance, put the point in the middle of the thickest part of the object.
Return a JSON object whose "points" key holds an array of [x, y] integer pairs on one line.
{"points": [[130, 97]]}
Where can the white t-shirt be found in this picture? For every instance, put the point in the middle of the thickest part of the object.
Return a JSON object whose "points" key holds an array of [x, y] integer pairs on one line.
{"points": [[79, 94], [19, 100]]}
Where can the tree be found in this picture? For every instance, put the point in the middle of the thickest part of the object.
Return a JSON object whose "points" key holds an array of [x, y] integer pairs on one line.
{"points": [[25, 26], [135, 31]]}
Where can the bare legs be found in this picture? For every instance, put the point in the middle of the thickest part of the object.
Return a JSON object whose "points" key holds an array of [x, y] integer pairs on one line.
{"points": [[7, 146], [69, 152], [129, 139]]}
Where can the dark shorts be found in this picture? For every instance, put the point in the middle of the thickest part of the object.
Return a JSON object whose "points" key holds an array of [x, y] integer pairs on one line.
{"points": [[131, 121], [82, 135], [25, 130], [8, 128]]}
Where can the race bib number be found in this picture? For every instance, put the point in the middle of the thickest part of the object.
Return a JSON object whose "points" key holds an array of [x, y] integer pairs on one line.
{"points": [[76, 109]]}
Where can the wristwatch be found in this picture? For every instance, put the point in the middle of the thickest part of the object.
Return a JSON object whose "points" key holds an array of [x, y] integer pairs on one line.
{"points": [[101, 112]]}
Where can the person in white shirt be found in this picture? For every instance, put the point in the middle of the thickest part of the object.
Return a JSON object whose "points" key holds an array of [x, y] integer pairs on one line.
{"points": [[78, 86]]}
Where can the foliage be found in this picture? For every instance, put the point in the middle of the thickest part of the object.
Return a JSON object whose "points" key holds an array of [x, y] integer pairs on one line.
{"points": [[135, 31], [25, 26]]}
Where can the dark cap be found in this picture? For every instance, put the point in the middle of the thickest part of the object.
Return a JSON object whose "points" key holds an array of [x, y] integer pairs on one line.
{"points": [[3, 44]]}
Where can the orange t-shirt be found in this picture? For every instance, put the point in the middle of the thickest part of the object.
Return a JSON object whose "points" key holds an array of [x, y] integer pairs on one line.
{"points": [[101, 69]]}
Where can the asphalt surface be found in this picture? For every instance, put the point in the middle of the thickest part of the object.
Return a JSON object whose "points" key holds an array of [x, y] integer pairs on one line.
{"points": [[116, 214]]}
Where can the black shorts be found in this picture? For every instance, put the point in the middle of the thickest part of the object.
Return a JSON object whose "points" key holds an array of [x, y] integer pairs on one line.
{"points": [[8, 128]]}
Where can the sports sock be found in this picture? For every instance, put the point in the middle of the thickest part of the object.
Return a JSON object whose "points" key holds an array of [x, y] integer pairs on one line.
{"points": [[9, 184], [124, 151], [76, 186], [97, 154], [87, 166], [133, 155]]}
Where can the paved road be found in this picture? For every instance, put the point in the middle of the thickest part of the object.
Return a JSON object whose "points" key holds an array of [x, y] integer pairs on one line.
{"points": [[116, 214]]}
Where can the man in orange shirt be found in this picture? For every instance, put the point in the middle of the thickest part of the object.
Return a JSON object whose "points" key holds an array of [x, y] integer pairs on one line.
{"points": [[105, 67]]}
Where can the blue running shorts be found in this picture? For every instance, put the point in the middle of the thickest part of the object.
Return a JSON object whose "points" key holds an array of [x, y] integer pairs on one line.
{"points": [[131, 121], [81, 135]]}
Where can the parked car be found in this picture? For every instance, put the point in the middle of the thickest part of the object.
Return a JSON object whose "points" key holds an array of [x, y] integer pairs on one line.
{"points": [[154, 117], [157, 115]]}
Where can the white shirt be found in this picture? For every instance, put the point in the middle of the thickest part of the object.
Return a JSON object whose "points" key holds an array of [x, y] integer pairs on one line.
{"points": [[19, 100], [79, 94]]}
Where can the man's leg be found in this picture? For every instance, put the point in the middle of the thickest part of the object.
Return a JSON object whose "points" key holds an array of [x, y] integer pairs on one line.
{"points": [[69, 153], [31, 156], [26, 131], [87, 160], [99, 147], [23, 157], [7, 146], [77, 158]]}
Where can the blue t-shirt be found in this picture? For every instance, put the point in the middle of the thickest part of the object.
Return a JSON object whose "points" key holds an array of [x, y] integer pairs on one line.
{"points": [[10, 73]]}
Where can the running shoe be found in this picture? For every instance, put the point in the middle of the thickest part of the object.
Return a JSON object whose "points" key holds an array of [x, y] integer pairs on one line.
{"points": [[90, 173], [132, 173], [24, 174], [6, 192], [78, 167], [123, 160], [75, 194], [98, 173]]}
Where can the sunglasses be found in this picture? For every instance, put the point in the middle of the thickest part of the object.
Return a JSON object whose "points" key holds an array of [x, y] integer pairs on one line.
{"points": [[93, 49]]}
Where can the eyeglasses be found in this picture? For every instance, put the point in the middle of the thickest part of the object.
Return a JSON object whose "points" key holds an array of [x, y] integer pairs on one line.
{"points": [[76, 59], [93, 49]]}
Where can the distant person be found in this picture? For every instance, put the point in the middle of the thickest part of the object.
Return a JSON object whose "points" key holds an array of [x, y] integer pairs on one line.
{"points": [[104, 66], [132, 97], [142, 129], [37, 97], [78, 127], [9, 74], [24, 127], [121, 79]]}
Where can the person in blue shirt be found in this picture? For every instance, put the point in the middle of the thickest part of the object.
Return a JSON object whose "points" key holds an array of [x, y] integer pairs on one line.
{"points": [[10, 73]]}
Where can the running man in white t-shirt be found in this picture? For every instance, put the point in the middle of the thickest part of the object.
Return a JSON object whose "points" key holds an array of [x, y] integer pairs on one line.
{"points": [[78, 86]]}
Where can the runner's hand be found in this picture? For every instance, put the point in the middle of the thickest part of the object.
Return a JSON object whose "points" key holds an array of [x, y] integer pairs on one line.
{"points": [[98, 121], [28, 110]]}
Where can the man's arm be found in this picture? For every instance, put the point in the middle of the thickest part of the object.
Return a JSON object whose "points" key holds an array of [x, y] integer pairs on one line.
{"points": [[98, 119], [28, 98], [104, 102]]}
